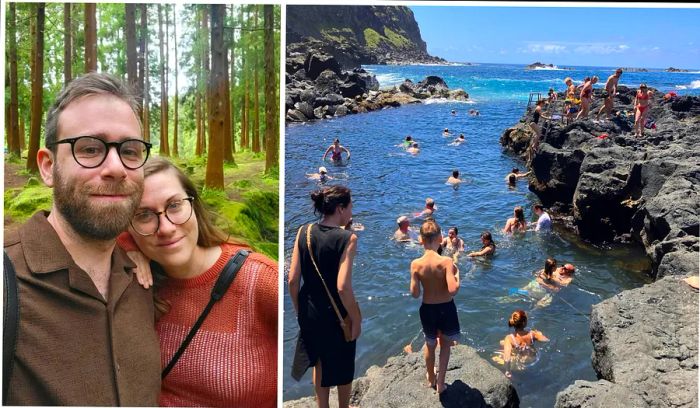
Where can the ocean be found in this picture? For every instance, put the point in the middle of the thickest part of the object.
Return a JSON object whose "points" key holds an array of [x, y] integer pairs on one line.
{"points": [[386, 182]]}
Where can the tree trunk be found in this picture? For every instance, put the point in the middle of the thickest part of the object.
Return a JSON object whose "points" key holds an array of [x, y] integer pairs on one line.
{"points": [[271, 101], [67, 44], [146, 85], [141, 59], [13, 122], [226, 139], [37, 89], [232, 82], [164, 150], [217, 110], [197, 93], [256, 96], [175, 149], [90, 37], [205, 72], [130, 34], [244, 82]]}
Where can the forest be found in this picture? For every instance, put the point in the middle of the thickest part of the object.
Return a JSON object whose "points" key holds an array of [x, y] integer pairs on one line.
{"points": [[207, 77]]}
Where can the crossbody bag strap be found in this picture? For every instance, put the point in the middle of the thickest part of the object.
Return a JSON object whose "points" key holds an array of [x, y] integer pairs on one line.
{"points": [[308, 244], [10, 323], [220, 287]]}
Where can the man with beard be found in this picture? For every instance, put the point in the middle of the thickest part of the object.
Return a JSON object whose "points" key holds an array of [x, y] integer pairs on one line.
{"points": [[86, 331]]}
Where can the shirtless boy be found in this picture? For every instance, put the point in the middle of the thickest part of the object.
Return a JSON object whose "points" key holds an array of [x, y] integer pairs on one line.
{"points": [[439, 278]]}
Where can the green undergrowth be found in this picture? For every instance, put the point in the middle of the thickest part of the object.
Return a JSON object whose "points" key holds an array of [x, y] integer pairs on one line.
{"points": [[247, 208], [372, 38], [22, 202], [395, 38]]}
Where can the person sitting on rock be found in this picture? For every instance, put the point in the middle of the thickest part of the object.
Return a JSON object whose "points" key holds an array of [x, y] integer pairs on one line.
{"points": [[488, 248], [551, 95], [518, 347], [517, 222], [336, 150]]}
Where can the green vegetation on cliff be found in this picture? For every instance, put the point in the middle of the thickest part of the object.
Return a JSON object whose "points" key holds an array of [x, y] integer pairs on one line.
{"points": [[372, 38]]}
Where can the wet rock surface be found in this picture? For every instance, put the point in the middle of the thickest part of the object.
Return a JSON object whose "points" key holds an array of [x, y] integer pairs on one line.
{"points": [[471, 380], [618, 187], [317, 88]]}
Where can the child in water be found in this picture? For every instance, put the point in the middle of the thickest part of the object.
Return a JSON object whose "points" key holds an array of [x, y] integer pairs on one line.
{"points": [[518, 347]]}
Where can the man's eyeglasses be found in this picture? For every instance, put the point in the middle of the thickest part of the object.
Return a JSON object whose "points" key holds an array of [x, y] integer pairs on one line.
{"points": [[178, 212], [91, 152]]}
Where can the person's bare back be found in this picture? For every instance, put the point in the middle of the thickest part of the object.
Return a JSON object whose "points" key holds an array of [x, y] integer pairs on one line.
{"points": [[437, 275]]}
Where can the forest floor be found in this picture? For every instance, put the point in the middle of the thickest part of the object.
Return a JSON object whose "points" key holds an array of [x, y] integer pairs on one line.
{"points": [[248, 205]]}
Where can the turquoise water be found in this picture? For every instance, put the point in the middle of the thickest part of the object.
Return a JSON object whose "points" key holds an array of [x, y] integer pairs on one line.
{"points": [[386, 183]]}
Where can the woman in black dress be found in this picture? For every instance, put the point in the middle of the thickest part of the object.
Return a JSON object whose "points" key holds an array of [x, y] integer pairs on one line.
{"points": [[333, 250]]}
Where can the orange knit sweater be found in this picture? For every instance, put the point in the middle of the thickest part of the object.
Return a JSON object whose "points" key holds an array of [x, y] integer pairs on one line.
{"points": [[232, 361]]}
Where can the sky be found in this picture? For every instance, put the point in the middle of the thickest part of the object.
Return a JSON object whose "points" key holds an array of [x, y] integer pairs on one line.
{"points": [[563, 36]]}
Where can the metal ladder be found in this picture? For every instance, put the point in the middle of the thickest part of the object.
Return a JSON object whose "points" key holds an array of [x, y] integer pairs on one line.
{"points": [[531, 100]]}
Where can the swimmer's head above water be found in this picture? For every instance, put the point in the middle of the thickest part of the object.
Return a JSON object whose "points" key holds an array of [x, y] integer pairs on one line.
{"points": [[518, 319]]}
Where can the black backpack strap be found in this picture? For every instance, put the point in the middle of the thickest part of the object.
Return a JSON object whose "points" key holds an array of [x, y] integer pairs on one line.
{"points": [[10, 323], [220, 287]]}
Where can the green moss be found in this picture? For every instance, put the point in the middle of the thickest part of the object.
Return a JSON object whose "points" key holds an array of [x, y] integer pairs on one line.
{"points": [[372, 38], [243, 183], [22, 203], [395, 38]]}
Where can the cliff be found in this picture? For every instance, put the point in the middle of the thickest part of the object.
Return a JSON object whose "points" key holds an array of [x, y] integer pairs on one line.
{"points": [[357, 35]]}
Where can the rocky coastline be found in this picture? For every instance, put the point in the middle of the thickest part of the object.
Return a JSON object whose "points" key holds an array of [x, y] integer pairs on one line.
{"points": [[472, 382], [604, 183], [318, 88]]}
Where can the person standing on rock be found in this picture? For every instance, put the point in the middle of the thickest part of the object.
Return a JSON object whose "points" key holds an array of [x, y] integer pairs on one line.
{"points": [[641, 109], [325, 304], [336, 150], [586, 97], [609, 93], [439, 278]]}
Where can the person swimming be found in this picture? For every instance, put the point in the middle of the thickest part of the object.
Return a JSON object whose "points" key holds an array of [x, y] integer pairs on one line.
{"points": [[408, 142], [563, 275], [515, 175], [452, 245], [454, 179], [428, 210], [488, 246], [517, 223], [322, 175], [336, 150], [458, 140], [414, 149], [518, 347], [446, 132]]}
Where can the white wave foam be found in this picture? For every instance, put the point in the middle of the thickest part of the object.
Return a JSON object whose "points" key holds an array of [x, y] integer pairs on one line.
{"points": [[693, 85], [554, 68], [443, 100], [389, 79]]}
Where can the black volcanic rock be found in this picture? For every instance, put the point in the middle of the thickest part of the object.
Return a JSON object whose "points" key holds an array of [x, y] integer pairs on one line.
{"points": [[472, 382], [358, 35]]}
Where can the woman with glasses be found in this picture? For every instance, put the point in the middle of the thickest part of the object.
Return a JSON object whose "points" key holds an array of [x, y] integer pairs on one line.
{"points": [[232, 360]]}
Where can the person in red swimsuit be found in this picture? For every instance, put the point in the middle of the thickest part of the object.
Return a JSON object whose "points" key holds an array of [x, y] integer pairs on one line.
{"points": [[586, 97], [335, 150], [641, 109]]}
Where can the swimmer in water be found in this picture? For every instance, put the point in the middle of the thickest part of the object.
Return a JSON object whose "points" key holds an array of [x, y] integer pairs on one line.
{"points": [[353, 226], [563, 275], [488, 246], [402, 233], [545, 277], [458, 140], [453, 112], [454, 179], [452, 245], [413, 149], [336, 150], [515, 172], [519, 346], [408, 142], [446, 132], [429, 209], [517, 223], [322, 175]]}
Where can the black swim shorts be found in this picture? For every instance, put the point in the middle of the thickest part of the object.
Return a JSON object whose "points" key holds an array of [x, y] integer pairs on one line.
{"points": [[442, 317]]}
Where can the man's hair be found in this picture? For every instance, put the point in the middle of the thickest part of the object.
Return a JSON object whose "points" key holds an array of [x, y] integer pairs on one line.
{"points": [[429, 202], [93, 83], [455, 173], [538, 207], [430, 230], [618, 71]]}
